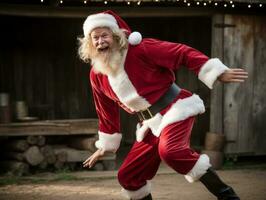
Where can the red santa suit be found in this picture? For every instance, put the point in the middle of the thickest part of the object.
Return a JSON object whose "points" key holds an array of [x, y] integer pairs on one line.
{"points": [[146, 73]]}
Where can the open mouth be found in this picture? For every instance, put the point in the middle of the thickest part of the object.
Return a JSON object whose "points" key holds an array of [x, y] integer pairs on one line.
{"points": [[104, 49]]}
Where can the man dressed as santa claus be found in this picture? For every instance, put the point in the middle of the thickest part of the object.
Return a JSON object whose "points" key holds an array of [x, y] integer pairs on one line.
{"points": [[138, 75]]}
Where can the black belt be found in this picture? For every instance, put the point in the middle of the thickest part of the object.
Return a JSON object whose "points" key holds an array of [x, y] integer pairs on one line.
{"points": [[167, 98]]}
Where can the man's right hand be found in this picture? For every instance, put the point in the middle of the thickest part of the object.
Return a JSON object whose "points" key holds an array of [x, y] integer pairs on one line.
{"points": [[89, 162]]}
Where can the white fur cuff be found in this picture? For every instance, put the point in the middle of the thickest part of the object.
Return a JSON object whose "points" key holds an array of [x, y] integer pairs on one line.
{"points": [[138, 194], [108, 142], [199, 169], [210, 71]]}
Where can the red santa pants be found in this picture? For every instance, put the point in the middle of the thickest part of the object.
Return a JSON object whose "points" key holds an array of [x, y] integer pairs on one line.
{"points": [[172, 146]]}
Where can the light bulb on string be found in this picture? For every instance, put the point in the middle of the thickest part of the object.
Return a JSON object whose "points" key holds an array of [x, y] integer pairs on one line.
{"points": [[225, 5], [128, 3], [61, 1], [216, 4], [198, 3], [233, 5], [249, 6], [105, 2], [84, 2], [231, 2], [41, 1], [260, 5], [188, 4], [204, 4], [139, 2]]}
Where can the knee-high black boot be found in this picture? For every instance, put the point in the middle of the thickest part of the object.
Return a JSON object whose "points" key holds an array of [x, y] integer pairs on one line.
{"points": [[149, 197], [217, 187]]}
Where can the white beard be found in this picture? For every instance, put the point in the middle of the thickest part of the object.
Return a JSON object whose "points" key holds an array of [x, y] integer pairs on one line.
{"points": [[110, 65]]}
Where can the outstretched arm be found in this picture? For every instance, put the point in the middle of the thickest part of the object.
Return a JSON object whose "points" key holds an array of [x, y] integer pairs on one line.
{"points": [[233, 75]]}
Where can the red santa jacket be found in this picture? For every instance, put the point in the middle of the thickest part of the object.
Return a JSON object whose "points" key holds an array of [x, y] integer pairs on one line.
{"points": [[148, 72]]}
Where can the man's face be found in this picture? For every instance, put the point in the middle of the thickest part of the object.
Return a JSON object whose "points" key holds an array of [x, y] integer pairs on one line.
{"points": [[102, 39]]}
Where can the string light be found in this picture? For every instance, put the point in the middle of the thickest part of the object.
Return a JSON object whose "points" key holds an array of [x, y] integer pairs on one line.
{"points": [[189, 3]]}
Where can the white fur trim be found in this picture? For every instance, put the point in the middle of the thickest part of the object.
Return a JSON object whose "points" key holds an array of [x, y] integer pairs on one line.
{"points": [[199, 169], [181, 110], [108, 142], [99, 20], [210, 71], [152, 123], [138, 194], [134, 38], [127, 93], [141, 132]]}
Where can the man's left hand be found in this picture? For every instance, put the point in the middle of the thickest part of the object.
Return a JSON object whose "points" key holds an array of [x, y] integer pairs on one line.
{"points": [[234, 75]]}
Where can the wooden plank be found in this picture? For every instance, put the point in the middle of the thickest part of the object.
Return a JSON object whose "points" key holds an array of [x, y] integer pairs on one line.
{"points": [[259, 97], [216, 105], [238, 52], [51, 127]]}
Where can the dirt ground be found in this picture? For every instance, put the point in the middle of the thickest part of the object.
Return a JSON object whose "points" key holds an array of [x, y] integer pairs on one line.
{"points": [[249, 184]]}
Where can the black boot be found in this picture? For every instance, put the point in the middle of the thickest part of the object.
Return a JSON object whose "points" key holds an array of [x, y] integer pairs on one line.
{"points": [[149, 197], [217, 187]]}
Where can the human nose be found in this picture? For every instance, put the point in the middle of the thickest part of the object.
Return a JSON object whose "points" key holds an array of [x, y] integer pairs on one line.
{"points": [[100, 40]]}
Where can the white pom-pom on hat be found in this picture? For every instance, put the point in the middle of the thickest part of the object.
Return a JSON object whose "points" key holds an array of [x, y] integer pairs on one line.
{"points": [[134, 38]]}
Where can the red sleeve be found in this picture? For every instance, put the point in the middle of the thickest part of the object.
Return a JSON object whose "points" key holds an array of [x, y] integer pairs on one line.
{"points": [[173, 55], [109, 118]]}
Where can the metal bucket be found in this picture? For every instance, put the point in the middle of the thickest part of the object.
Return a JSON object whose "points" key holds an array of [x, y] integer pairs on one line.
{"points": [[5, 116], [4, 99], [21, 109]]}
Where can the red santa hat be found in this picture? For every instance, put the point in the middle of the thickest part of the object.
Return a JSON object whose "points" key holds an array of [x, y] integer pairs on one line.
{"points": [[113, 21]]}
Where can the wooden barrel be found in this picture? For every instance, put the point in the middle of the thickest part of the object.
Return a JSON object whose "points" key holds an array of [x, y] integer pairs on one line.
{"points": [[5, 116], [214, 141], [216, 158]]}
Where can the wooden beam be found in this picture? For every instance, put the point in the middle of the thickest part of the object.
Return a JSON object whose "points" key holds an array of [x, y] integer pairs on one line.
{"points": [[216, 114], [82, 12], [51, 127]]}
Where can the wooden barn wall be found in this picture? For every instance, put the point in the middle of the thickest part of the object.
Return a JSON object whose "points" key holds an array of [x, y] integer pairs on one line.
{"points": [[39, 64], [245, 104]]}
